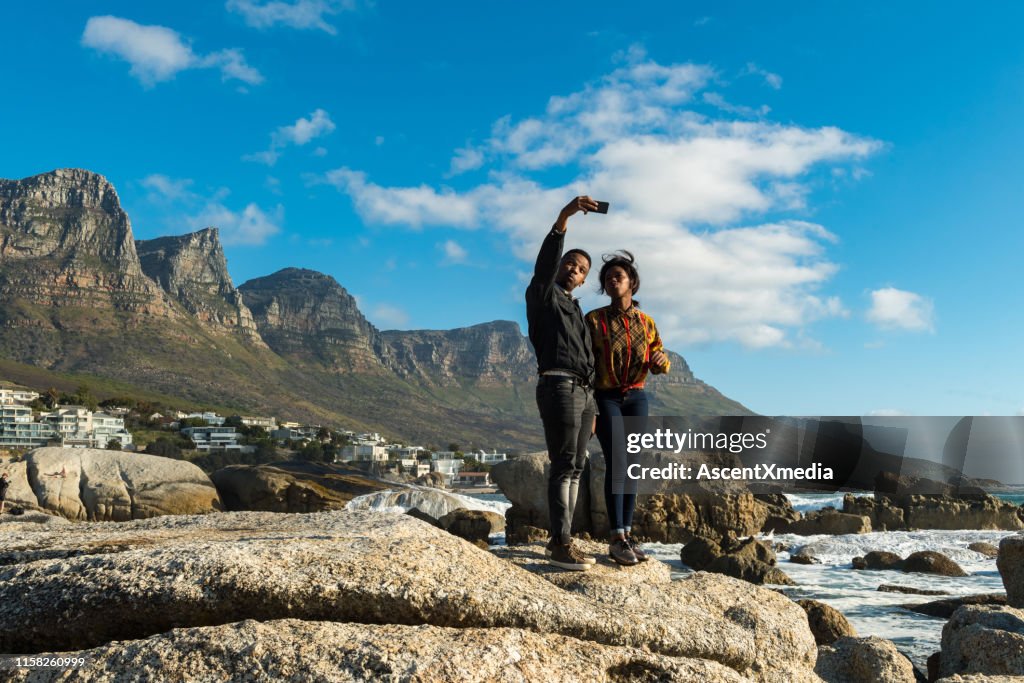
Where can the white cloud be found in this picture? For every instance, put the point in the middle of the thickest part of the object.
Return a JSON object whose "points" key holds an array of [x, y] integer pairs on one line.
{"points": [[771, 79], [696, 198], [898, 309], [158, 53], [162, 187], [303, 131], [453, 252], [466, 159], [412, 206], [251, 226], [302, 14], [388, 316]]}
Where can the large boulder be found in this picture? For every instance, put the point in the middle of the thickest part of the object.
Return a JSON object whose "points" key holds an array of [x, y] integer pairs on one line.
{"points": [[883, 514], [134, 580], [878, 559], [931, 562], [294, 486], [983, 640], [829, 521], [523, 481], [946, 607], [700, 552], [780, 512], [863, 660], [751, 570], [827, 623], [977, 512], [648, 594], [95, 484], [1010, 563], [295, 650], [472, 525]]}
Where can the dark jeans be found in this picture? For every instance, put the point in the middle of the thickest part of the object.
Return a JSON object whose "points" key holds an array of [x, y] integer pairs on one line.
{"points": [[614, 404], [567, 411]]}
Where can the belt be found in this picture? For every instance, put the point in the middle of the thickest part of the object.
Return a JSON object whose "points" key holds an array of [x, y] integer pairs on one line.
{"points": [[565, 374]]}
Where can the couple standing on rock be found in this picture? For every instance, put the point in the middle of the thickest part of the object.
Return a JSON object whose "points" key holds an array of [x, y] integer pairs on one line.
{"points": [[578, 396]]}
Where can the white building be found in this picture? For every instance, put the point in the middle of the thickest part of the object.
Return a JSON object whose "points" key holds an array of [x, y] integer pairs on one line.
{"points": [[448, 467], [17, 429], [442, 455], [489, 458], [107, 428], [211, 418], [213, 438], [414, 467], [12, 393], [363, 452], [268, 423]]}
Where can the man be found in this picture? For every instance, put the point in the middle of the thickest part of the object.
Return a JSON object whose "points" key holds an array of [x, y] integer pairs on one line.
{"points": [[565, 362]]}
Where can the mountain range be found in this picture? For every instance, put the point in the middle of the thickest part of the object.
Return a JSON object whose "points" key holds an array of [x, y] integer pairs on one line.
{"points": [[78, 294]]}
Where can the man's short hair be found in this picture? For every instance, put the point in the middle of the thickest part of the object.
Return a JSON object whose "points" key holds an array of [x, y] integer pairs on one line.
{"points": [[582, 253]]}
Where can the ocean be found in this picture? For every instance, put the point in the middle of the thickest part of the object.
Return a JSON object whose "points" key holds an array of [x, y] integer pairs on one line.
{"points": [[853, 592]]}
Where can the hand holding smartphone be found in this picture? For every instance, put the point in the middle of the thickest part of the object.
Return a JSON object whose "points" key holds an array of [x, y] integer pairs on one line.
{"points": [[602, 207]]}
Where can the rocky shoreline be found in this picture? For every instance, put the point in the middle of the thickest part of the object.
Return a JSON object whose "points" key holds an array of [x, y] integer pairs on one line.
{"points": [[353, 595]]}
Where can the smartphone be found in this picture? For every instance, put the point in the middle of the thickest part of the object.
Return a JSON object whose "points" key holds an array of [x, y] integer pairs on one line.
{"points": [[602, 207]]}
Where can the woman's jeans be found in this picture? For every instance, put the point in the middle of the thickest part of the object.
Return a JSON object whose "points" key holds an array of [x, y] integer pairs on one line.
{"points": [[613, 404], [567, 411]]}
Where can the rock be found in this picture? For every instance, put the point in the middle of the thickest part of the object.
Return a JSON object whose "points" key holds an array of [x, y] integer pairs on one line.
{"points": [[889, 588], [526, 534], [423, 517], [878, 559], [133, 580], [472, 525], [753, 549], [1011, 568], [433, 502], [827, 623], [648, 593], [699, 553], [946, 608], [883, 514], [983, 640], [524, 482], [801, 557], [829, 521], [434, 480], [780, 511], [291, 649], [863, 660], [193, 270], [751, 570], [986, 549], [978, 512], [931, 562], [294, 486], [893, 484], [109, 485]]}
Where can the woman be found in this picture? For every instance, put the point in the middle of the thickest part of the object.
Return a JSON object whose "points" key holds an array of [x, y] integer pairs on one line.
{"points": [[626, 347]]}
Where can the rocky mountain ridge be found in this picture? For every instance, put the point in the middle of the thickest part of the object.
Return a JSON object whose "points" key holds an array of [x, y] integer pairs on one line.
{"points": [[80, 294]]}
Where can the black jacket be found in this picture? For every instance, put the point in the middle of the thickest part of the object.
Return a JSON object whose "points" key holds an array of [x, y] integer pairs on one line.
{"points": [[557, 332]]}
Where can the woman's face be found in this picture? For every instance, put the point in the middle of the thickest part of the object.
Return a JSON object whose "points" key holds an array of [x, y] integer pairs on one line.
{"points": [[617, 283]]}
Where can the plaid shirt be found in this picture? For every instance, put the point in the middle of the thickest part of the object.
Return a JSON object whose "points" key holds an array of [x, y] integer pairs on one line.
{"points": [[623, 343]]}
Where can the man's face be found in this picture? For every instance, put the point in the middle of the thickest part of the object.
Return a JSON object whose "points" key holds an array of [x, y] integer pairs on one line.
{"points": [[572, 271]]}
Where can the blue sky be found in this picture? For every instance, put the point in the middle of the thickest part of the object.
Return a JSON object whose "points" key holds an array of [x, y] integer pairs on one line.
{"points": [[824, 200]]}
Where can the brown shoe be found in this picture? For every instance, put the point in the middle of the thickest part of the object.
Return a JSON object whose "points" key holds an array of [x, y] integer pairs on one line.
{"points": [[634, 545], [620, 552], [566, 557], [586, 558]]}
